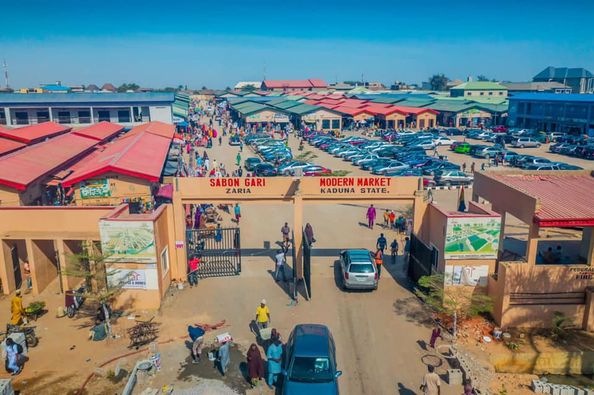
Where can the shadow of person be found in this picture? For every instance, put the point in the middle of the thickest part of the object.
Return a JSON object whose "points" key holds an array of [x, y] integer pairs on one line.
{"points": [[403, 390], [422, 344], [188, 344], [363, 224]]}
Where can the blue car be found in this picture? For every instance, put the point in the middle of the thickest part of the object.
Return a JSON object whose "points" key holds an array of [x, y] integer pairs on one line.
{"points": [[310, 365]]}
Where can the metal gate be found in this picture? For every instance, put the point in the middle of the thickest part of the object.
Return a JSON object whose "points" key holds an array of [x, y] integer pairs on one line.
{"points": [[219, 251], [422, 258]]}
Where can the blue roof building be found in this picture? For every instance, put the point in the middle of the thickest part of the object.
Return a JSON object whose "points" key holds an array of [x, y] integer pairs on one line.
{"points": [[579, 79], [127, 109], [550, 112]]}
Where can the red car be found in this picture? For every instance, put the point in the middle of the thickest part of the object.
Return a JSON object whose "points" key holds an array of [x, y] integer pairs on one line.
{"points": [[499, 129], [454, 145], [316, 170]]}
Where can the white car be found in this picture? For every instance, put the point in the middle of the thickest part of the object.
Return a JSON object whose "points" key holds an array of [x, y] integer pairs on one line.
{"points": [[525, 142], [443, 140]]}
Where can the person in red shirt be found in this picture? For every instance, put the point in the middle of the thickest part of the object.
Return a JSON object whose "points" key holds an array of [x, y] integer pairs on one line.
{"points": [[193, 271]]}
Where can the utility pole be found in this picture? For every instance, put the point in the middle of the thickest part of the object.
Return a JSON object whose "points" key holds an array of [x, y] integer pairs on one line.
{"points": [[5, 74]]}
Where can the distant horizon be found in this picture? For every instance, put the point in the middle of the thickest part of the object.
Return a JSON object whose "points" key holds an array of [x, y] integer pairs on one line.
{"points": [[217, 45]]}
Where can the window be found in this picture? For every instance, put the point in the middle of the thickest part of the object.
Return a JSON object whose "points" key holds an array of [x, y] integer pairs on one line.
{"points": [[490, 93], [165, 261], [84, 116], [124, 116], [325, 124], [42, 116], [104, 116], [500, 93], [422, 124], [64, 116], [468, 93], [2, 117], [311, 370], [336, 124], [482, 93], [21, 118]]}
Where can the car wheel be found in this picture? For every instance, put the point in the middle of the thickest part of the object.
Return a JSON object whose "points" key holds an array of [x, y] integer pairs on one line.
{"points": [[447, 184], [537, 145], [522, 146]]}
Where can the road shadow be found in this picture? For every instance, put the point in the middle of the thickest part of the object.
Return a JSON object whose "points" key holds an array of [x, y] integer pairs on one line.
{"points": [[423, 345], [403, 390], [414, 311], [363, 224]]}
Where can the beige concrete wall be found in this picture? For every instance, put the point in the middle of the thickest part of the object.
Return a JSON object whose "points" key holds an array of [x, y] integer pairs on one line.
{"points": [[121, 187], [13, 197], [429, 119], [43, 262], [164, 241], [267, 116]]}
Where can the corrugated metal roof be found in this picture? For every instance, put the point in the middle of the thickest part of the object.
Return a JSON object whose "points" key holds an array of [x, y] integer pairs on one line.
{"points": [[7, 146], [556, 97], [156, 128], [101, 131], [303, 108], [287, 104], [86, 97], [295, 84], [142, 156], [34, 133], [560, 197], [480, 86], [562, 73], [21, 168]]}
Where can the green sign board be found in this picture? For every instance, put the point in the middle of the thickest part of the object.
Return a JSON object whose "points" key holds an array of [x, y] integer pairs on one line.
{"points": [[472, 237], [95, 189]]}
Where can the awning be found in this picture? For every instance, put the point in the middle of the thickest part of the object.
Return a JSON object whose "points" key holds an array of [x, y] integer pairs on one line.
{"points": [[165, 191]]}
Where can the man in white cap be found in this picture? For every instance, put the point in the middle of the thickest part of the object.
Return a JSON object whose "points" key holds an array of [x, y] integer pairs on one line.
{"points": [[262, 315]]}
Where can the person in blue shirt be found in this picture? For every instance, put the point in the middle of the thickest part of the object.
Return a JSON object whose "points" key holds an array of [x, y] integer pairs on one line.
{"points": [[381, 243], [196, 333], [224, 357], [274, 354]]}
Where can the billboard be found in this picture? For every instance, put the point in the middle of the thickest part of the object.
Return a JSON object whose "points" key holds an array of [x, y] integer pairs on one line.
{"points": [[133, 279], [128, 241], [472, 237], [95, 189], [466, 275]]}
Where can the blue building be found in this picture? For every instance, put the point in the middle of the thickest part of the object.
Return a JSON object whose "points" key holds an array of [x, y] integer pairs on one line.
{"points": [[79, 109], [549, 112]]}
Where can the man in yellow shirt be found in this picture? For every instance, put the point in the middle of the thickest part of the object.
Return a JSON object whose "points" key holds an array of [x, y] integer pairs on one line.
{"points": [[16, 309], [262, 315]]}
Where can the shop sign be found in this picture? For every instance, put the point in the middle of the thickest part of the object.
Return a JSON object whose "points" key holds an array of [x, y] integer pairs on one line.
{"points": [[472, 238], [95, 189], [237, 186], [582, 273], [133, 278], [128, 241], [466, 275], [179, 244], [354, 185]]}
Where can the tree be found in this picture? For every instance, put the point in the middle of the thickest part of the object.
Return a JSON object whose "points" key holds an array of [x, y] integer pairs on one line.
{"points": [[482, 78], [439, 82], [92, 267], [458, 302], [128, 87]]}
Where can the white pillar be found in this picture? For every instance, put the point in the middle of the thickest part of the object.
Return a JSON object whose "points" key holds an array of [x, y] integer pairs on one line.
{"points": [[8, 117], [132, 120], [92, 115], [51, 115]]}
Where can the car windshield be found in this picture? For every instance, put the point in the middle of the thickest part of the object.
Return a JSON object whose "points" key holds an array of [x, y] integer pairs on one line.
{"points": [[311, 370], [361, 268]]}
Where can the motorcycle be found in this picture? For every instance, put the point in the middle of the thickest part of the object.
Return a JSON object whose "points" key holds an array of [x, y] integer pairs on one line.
{"points": [[73, 300], [28, 331]]}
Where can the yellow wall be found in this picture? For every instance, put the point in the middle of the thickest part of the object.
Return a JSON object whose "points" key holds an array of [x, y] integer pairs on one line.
{"points": [[493, 93], [429, 119], [13, 197], [121, 187]]}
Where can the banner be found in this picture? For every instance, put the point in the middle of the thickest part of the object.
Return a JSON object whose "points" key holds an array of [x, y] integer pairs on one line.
{"points": [[128, 241], [95, 189], [472, 238], [133, 279]]}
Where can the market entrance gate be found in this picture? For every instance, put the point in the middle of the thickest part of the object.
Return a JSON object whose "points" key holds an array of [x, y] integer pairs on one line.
{"points": [[295, 192], [219, 251]]}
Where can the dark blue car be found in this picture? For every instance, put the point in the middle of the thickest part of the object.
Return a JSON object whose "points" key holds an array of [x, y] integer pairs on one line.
{"points": [[310, 365]]}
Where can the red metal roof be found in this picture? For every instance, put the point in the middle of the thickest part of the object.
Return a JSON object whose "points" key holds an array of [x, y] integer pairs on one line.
{"points": [[101, 131], [21, 168], [563, 200], [34, 133], [157, 128], [384, 110], [8, 146], [141, 155], [415, 110], [352, 111]]}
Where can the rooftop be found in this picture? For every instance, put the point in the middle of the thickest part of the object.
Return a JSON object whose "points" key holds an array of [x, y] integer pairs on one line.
{"points": [[87, 97], [7, 146], [34, 133], [562, 73], [295, 84], [101, 131], [480, 86], [566, 97], [562, 200]]}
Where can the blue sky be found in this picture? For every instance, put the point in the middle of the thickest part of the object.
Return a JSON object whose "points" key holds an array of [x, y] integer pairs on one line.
{"points": [[217, 43]]}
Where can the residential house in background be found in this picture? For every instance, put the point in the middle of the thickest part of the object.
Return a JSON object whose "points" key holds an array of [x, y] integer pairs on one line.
{"points": [[108, 88], [534, 87], [579, 79], [311, 84]]}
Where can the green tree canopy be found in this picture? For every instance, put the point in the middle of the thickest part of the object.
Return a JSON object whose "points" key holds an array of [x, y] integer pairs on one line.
{"points": [[439, 82]]}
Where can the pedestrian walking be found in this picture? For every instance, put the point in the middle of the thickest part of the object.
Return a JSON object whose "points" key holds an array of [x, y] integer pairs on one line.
{"points": [[280, 259], [381, 243], [464, 167], [394, 250], [435, 333], [472, 165], [238, 159], [241, 146], [274, 354], [285, 231], [386, 218], [431, 384], [193, 271], [370, 216], [237, 212], [196, 333], [220, 140], [379, 260], [224, 356], [392, 218], [262, 315], [406, 249], [255, 365]]}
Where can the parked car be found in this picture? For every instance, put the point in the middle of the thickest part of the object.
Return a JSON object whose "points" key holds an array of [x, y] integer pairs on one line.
{"points": [[534, 161], [556, 148], [439, 167], [315, 170], [499, 129], [462, 148], [556, 135], [291, 167], [453, 177], [476, 148], [310, 364], [265, 170], [489, 152], [549, 166], [392, 165], [453, 132], [442, 140], [250, 163], [565, 166], [358, 269], [526, 142]]}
